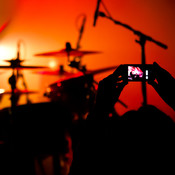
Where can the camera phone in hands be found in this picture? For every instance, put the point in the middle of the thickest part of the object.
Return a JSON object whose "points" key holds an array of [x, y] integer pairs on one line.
{"points": [[139, 73]]}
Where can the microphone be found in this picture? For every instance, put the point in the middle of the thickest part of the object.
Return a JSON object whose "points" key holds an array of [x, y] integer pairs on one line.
{"points": [[81, 32], [82, 27], [96, 12]]}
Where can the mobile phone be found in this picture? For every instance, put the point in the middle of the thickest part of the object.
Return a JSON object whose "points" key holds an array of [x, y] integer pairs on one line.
{"points": [[139, 72]]}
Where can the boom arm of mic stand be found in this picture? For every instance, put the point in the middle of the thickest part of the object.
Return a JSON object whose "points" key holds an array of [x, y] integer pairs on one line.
{"points": [[136, 32]]}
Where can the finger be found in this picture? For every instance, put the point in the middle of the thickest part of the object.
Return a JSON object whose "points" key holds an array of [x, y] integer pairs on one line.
{"points": [[121, 84], [120, 77]]}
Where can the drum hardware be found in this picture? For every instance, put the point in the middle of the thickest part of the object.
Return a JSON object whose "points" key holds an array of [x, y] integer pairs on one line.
{"points": [[15, 65]]}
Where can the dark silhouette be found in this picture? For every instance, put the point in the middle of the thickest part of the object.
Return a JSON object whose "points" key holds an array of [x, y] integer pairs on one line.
{"points": [[139, 141], [164, 84], [109, 90], [38, 140], [44, 139]]}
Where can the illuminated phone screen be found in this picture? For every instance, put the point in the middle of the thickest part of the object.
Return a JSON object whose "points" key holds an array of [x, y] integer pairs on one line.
{"points": [[135, 73]]}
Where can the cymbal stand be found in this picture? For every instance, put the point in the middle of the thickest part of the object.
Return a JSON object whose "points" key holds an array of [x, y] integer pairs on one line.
{"points": [[142, 41], [13, 98], [68, 49], [19, 73]]}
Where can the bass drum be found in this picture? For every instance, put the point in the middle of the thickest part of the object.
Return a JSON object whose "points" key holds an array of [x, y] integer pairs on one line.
{"points": [[78, 94]]}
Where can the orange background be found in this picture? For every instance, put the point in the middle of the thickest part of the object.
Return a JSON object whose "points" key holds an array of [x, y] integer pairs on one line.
{"points": [[46, 25]]}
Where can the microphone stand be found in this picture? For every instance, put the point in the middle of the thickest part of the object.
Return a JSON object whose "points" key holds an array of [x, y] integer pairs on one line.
{"points": [[142, 41]]}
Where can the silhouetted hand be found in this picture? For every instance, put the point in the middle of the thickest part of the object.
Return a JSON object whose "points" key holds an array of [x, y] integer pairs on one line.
{"points": [[164, 84], [109, 90]]}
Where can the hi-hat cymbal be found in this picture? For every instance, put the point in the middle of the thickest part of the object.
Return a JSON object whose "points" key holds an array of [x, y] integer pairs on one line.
{"points": [[14, 61], [16, 64], [65, 53], [22, 67]]}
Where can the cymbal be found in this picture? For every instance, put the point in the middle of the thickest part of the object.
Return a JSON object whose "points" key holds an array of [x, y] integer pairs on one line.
{"points": [[16, 64], [14, 60], [22, 67], [57, 72], [94, 72], [88, 72], [17, 92], [65, 53]]}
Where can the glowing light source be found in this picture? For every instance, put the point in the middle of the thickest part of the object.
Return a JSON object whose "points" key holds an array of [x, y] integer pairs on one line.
{"points": [[2, 91], [52, 64], [6, 53]]}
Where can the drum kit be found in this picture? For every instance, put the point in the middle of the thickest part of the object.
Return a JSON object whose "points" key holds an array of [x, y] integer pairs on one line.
{"points": [[75, 89]]}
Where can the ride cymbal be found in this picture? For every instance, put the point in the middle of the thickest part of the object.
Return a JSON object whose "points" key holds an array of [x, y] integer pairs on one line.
{"points": [[55, 72]]}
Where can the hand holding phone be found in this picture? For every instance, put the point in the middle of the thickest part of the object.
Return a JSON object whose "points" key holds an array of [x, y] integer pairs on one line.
{"points": [[109, 90], [164, 84]]}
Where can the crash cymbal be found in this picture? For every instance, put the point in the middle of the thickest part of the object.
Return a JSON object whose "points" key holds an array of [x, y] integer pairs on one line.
{"points": [[17, 91], [64, 53]]}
